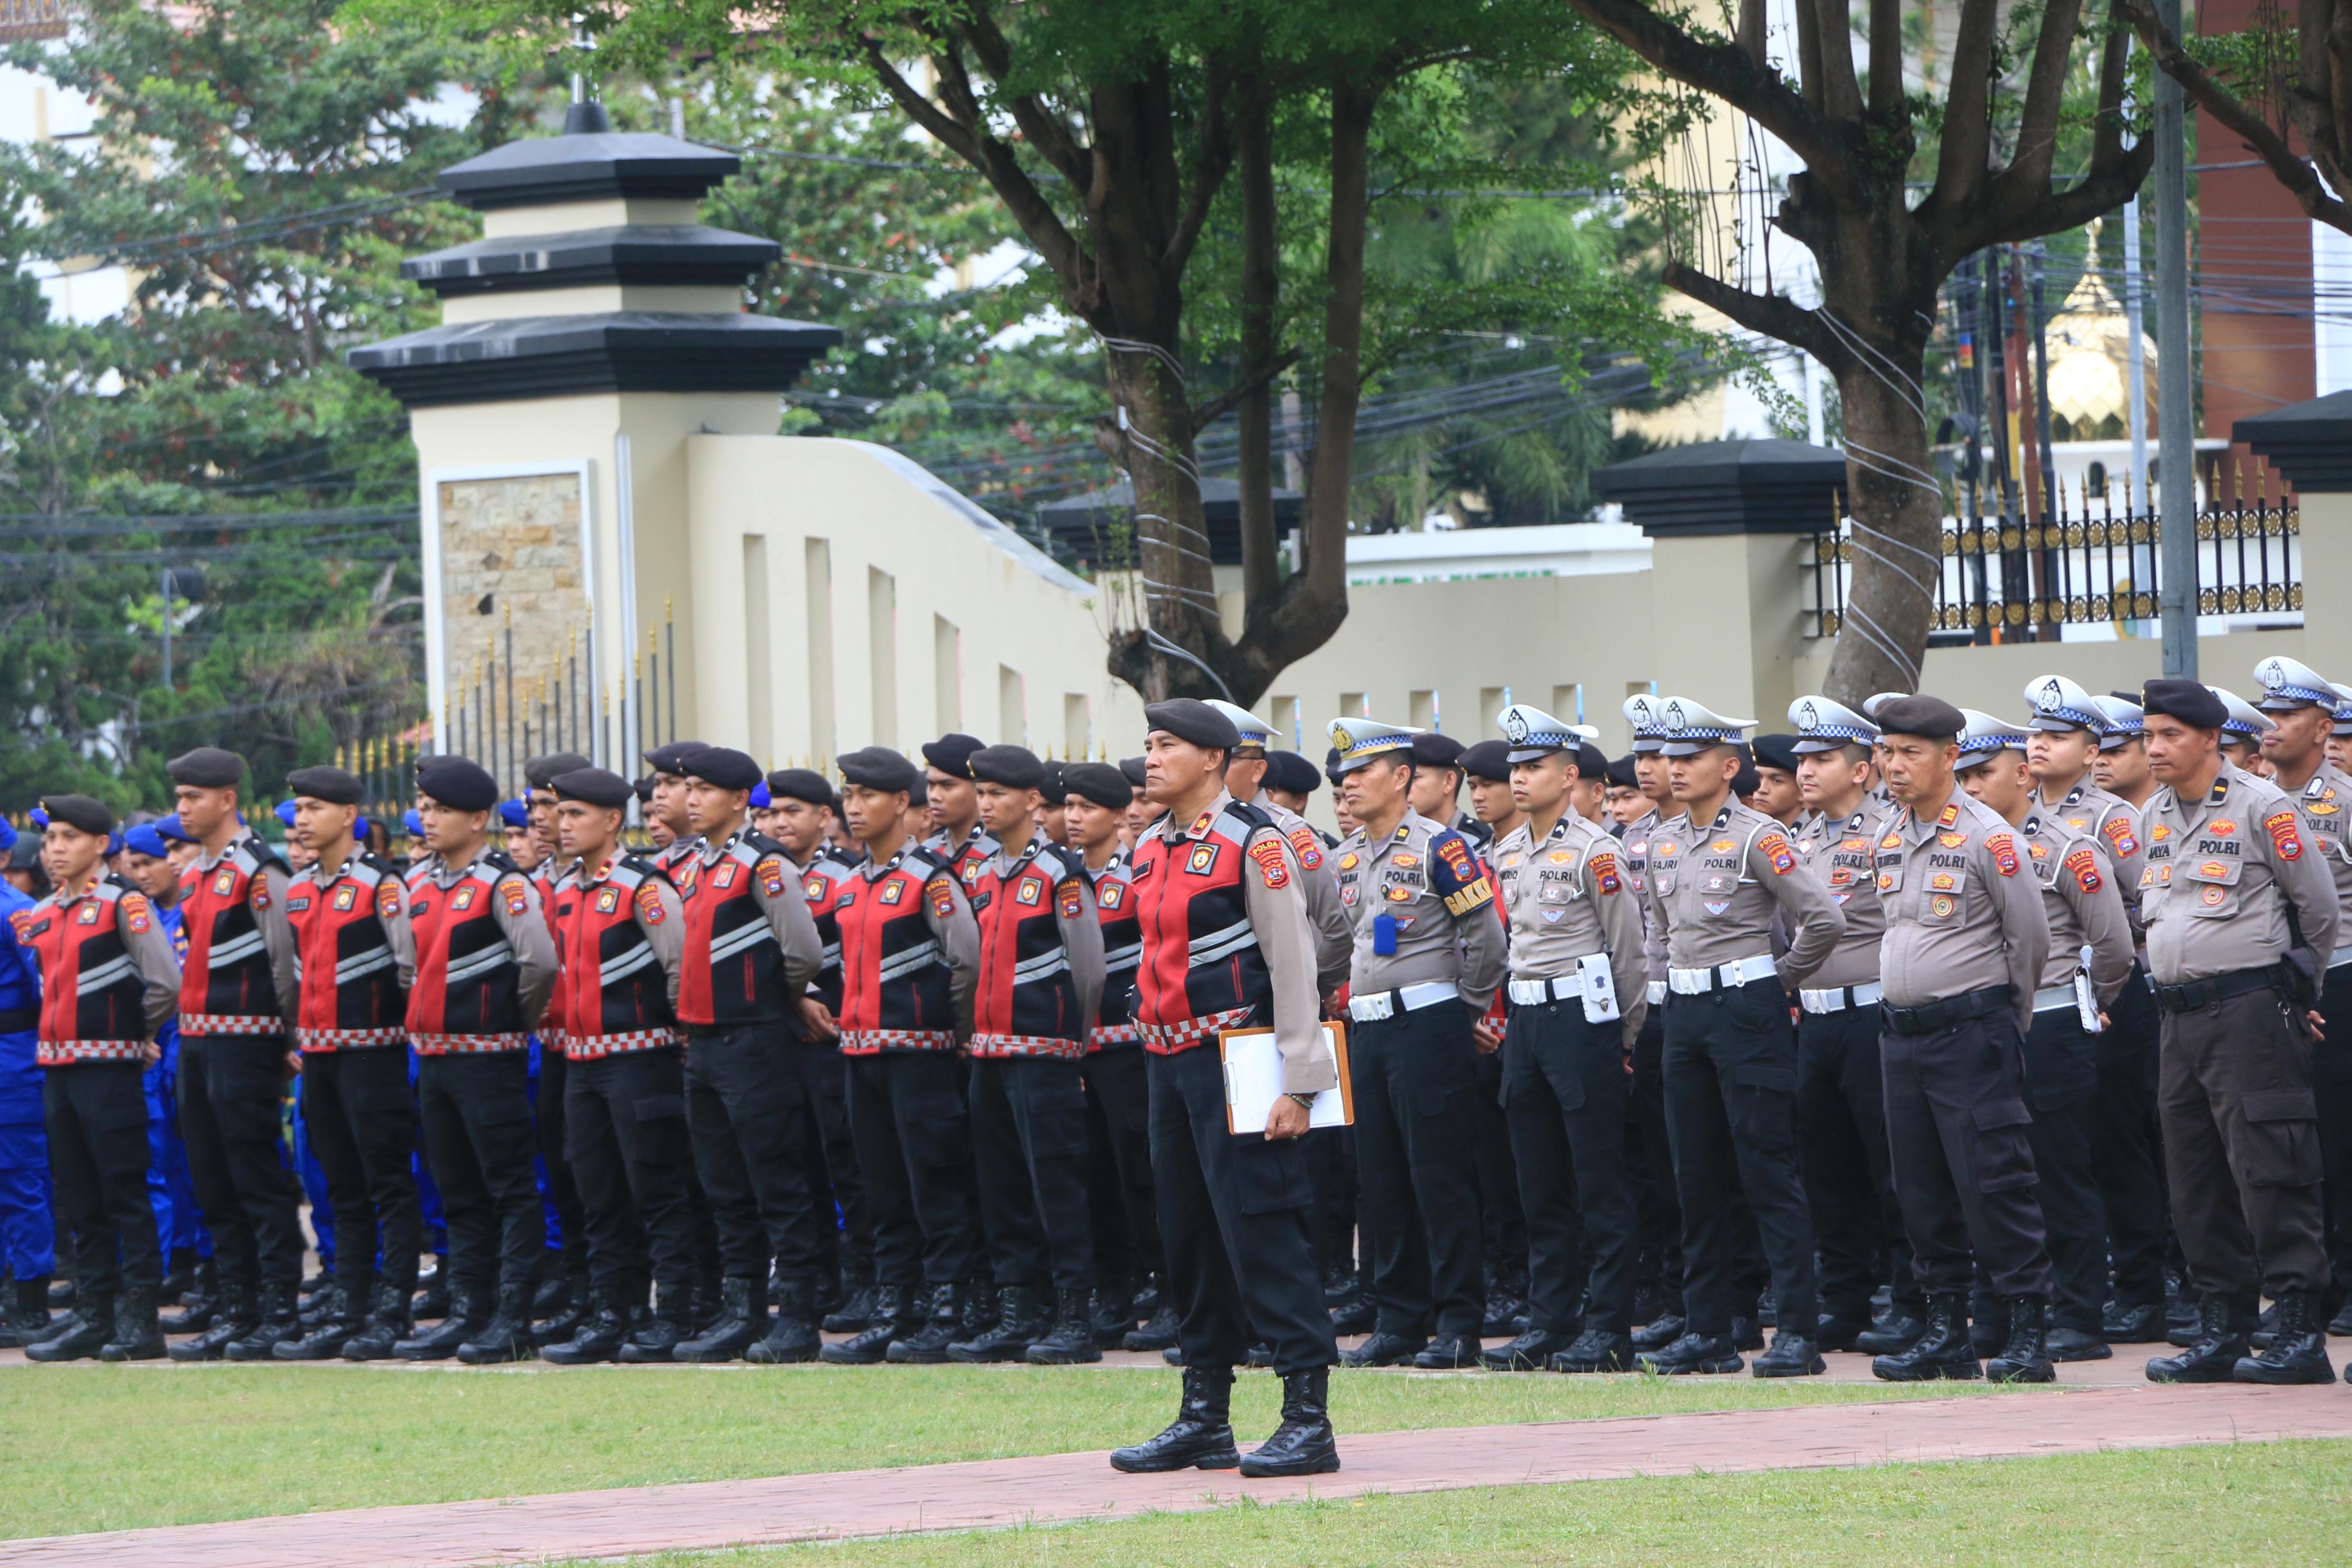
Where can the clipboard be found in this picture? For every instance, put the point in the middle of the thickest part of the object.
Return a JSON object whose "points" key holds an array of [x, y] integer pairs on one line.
{"points": [[1253, 1071]]}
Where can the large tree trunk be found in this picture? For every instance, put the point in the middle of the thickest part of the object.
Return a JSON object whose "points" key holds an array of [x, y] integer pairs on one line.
{"points": [[1898, 511], [1261, 279], [1171, 544]]}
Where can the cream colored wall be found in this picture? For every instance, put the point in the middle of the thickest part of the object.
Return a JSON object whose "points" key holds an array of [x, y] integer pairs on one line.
{"points": [[1023, 655], [1994, 678]]}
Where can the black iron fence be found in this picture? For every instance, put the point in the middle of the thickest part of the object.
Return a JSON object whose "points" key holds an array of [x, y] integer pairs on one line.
{"points": [[2002, 580]]}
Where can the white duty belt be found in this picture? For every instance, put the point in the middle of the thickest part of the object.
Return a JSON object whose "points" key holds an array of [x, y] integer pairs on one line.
{"points": [[1383, 1005], [1721, 976]]}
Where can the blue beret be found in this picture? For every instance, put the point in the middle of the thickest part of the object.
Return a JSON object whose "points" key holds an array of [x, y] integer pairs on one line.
{"points": [[413, 823], [144, 840], [515, 812], [286, 812]]}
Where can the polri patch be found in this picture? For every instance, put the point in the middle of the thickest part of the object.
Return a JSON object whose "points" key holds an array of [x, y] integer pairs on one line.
{"points": [[1272, 869]]}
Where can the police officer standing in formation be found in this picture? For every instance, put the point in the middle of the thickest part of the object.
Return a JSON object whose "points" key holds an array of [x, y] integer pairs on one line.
{"points": [[27, 1244], [1578, 992], [1647, 1149], [1039, 982], [355, 958], [1841, 1099], [2302, 707], [751, 949], [909, 952], [109, 981], [2090, 961], [1967, 941], [485, 972], [2241, 912], [1428, 960], [1227, 945], [563, 1291], [1246, 779], [1718, 875]]}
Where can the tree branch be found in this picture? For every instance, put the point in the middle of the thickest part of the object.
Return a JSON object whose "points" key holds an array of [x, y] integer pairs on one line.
{"points": [[2028, 174], [1885, 60], [1043, 129], [1217, 407], [1215, 159], [1841, 93], [1773, 315], [1962, 162]]}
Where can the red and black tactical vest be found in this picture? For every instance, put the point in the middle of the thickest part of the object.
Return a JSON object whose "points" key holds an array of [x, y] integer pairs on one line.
{"points": [[611, 990], [225, 983], [1122, 951], [894, 974], [820, 882], [734, 971], [344, 963], [1201, 969], [1025, 1002], [965, 859], [467, 994], [92, 995]]}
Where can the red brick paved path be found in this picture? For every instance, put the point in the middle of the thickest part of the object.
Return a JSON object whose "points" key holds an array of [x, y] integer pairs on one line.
{"points": [[1068, 1487]]}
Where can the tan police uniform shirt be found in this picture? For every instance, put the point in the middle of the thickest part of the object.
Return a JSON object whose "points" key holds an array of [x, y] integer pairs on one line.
{"points": [[2323, 803], [1963, 914], [1715, 890], [1838, 851], [1638, 834], [2222, 871], [1335, 933], [1568, 898], [2112, 826], [2084, 907], [1426, 879]]}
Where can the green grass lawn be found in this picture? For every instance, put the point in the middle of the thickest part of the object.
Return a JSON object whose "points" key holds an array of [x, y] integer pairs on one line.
{"points": [[99, 1447], [2260, 1504]]}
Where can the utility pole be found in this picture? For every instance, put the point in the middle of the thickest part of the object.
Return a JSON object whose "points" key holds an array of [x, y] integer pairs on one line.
{"points": [[2174, 393], [167, 628]]}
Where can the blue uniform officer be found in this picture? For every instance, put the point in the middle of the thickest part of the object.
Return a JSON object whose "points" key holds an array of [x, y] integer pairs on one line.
{"points": [[27, 1233]]}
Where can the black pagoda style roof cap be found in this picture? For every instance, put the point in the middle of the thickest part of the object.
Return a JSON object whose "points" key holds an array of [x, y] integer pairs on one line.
{"points": [[581, 166], [626, 253], [1749, 486], [2310, 442]]}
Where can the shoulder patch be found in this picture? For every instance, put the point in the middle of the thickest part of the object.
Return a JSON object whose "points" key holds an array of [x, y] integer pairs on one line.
{"points": [[387, 898], [1454, 854], [2085, 866], [649, 904], [516, 891], [771, 873], [136, 913], [2119, 833], [1306, 846], [1601, 866], [257, 893], [1072, 897], [1271, 869], [943, 895], [1774, 847], [2284, 839], [2003, 850]]}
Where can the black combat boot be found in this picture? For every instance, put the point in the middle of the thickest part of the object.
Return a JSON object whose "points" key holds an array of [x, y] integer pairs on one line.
{"points": [[2026, 1357], [794, 1335], [1446, 1353], [1660, 1331], [1303, 1445], [138, 1337], [326, 1339], [1892, 1334], [1020, 1322], [440, 1343], [2213, 1356], [598, 1337], [278, 1321], [27, 1315], [1530, 1351], [557, 1327], [1839, 1330], [927, 1346], [507, 1336], [891, 1315], [1385, 1349], [325, 1306], [2142, 1324], [1693, 1353], [431, 1293], [1791, 1355], [1201, 1435], [81, 1334], [62, 1292], [671, 1325], [1112, 1314], [387, 1324], [855, 1313], [2298, 1348], [197, 1303], [233, 1317], [552, 1293], [1071, 1339], [1943, 1351], [1157, 1333], [1597, 1350], [742, 1319]]}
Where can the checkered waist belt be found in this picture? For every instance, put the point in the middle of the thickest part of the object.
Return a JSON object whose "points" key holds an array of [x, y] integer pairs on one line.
{"points": [[231, 1024], [589, 1047], [467, 1044], [1167, 1039], [67, 1053], [1112, 1035], [874, 1042], [1010, 1046], [313, 1041]]}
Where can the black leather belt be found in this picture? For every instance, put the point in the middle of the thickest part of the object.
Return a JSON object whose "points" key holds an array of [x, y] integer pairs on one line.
{"points": [[19, 1020], [2198, 994], [1950, 1013]]}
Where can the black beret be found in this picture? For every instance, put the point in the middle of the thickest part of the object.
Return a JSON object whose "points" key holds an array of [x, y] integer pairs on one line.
{"points": [[1488, 759], [332, 785], [951, 753], [1776, 751], [1053, 786], [80, 811], [1100, 782], [671, 759], [723, 765], [645, 788], [1621, 775], [540, 773], [1930, 718], [1592, 761], [1292, 773], [1432, 749], [1132, 769], [595, 786], [460, 783], [207, 767], [1189, 719], [1747, 781], [880, 767], [1015, 767], [2188, 700], [1331, 765], [800, 784]]}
